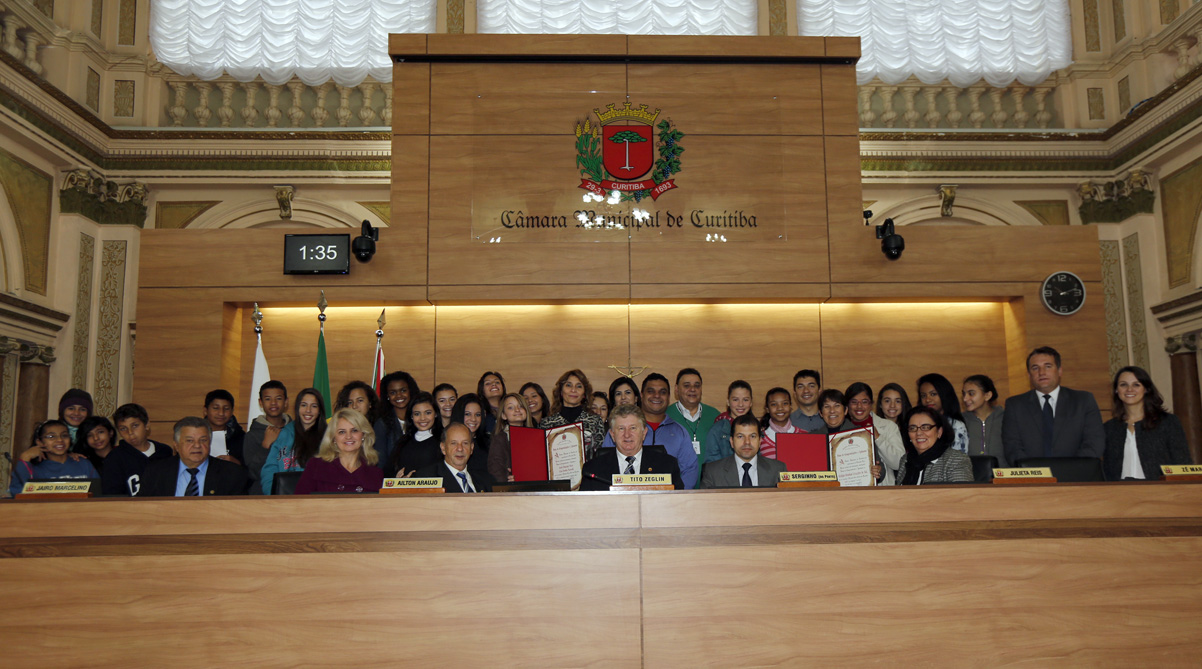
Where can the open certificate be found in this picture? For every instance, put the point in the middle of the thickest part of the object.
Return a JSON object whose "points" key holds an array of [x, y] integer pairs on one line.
{"points": [[565, 453], [852, 457]]}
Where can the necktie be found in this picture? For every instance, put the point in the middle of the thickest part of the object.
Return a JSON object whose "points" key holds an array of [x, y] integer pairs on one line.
{"points": [[1049, 421], [629, 465], [193, 489], [747, 475], [467, 487]]}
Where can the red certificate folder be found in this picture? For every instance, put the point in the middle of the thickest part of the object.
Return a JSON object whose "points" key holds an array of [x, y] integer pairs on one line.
{"points": [[803, 452], [528, 453]]}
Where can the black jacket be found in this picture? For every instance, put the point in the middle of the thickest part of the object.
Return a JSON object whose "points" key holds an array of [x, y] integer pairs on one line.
{"points": [[222, 478], [480, 477], [1165, 445], [123, 468], [605, 465]]}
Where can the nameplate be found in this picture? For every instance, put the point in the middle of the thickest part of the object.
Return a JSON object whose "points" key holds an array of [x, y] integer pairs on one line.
{"points": [[435, 482], [642, 479], [411, 486], [1027, 473], [1167, 470], [56, 488], [787, 477]]}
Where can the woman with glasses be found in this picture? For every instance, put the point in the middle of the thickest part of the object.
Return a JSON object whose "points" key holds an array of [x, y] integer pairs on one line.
{"points": [[929, 457]]}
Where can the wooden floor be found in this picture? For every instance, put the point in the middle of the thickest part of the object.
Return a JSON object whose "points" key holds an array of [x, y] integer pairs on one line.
{"points": [[1065, 575]]}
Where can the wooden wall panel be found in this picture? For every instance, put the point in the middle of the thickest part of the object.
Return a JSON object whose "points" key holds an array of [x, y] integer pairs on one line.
{"points": [[840, 113], [731, 100], [203, 258], [1080, 339], [761, 344], [411, 99], [946, 255], [882, 343], [405, 238], [290, 342], [366, 609], [530, 343], [476, 178], [721, 578], [780, 179], [497, 99], [1029, 601]]}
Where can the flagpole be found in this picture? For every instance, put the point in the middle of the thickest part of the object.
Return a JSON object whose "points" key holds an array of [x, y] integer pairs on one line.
{"points": [[378, 364], [321, 369], [260, 373]]}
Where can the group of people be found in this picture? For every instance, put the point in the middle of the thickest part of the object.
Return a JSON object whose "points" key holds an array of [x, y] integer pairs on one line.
{"points": [[464, 439]]}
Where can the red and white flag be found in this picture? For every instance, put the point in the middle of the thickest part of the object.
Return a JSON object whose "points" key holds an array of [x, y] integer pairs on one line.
{"points": [[377, 373]]}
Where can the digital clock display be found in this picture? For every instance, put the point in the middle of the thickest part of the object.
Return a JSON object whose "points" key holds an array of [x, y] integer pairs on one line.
{"points": [[317, 254]]}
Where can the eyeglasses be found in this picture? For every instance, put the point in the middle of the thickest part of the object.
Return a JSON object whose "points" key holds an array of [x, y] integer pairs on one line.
{"points": [[921, 428]]}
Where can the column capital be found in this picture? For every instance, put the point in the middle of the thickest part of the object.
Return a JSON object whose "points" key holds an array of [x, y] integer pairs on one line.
{"points": [[1184, 343], [36, 353]]}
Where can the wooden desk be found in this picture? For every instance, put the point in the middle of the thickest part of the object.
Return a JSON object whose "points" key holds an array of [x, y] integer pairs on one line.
{"points": [[942, 575]]}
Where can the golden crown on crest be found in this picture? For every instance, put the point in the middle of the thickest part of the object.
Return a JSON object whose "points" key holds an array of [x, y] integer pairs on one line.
{"points": [[626, 112]]}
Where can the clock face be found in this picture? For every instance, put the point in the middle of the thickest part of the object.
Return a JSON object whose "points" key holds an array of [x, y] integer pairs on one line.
{"points": [[1063, 293]]}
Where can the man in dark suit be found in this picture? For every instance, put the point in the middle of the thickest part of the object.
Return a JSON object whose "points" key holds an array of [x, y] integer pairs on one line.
{"points": [[628, 428], [192, 472], [744, 469], [1051, 421], [457, 446]]}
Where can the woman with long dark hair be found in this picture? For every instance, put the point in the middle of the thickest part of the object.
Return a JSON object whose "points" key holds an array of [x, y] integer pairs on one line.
{"points": [[95, 439], [936, 392], [420, 448], [892, 403], [983, 417], [298, 441], [569, 404], [491, 388], [397, 390], [1142, 436], [536, 401]]}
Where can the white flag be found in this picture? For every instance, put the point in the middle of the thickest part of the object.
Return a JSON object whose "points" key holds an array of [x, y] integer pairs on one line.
{"points": [[261, 376]]}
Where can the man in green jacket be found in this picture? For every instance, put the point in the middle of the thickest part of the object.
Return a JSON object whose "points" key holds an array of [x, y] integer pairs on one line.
{"points": [[696, 418]]}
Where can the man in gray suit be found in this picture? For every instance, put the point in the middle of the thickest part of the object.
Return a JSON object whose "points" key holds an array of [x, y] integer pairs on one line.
{"points": [[745, 468], [1051, 421]]}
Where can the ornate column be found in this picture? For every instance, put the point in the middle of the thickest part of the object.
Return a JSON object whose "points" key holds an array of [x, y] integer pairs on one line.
{"points": [[1187, 395], [33, 390], [9, 363]]}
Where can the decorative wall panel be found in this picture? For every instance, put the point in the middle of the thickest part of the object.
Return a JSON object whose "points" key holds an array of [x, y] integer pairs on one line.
{"points": [[127, 22], [1049, 212], [1116, 315], [1135, 301], [1093, 30], [1124, 95], [97, 17], [28, 190], [123, 98], [108, 333], [1097, 103], [1169, 9], [83, 311], [1120, 20], [177, 215], [1181, 205], [92, 93]]}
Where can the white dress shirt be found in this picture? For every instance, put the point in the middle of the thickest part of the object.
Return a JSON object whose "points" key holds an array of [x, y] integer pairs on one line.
{"points": [[755, 477], [455, 475], [638, 462]]}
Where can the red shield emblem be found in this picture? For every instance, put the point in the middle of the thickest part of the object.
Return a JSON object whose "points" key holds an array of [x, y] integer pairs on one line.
{"points": [[627, 151]]}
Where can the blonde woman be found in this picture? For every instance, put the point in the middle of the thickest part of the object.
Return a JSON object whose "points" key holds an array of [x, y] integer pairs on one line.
{"points": [[345, 460], [512, 413]]}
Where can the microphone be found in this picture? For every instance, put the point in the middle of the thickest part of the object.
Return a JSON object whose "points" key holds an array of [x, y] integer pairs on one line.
{"points": [[607, 484]]}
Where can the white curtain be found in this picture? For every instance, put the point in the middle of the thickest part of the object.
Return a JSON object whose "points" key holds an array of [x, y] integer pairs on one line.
{"points": [[962, 41], [630, 17], [315, 40]]}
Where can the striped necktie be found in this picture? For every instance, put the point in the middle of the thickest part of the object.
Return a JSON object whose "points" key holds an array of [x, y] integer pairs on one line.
{"points": [[193, 489]]}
